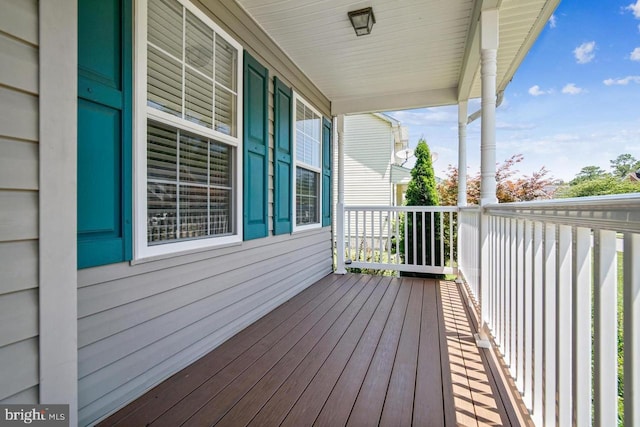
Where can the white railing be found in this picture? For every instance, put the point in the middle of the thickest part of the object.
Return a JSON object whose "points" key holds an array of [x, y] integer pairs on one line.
{"points": [[469, 247], [550, 269], [400, 238]]}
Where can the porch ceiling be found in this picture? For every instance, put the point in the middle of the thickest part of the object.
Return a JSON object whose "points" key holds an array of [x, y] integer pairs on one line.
{"points": [[420, 53]]}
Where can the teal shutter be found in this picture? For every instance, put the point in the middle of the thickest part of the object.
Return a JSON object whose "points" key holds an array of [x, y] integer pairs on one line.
{"points": [[256, 149], [326, 172], [283, 171], [104, 132]]}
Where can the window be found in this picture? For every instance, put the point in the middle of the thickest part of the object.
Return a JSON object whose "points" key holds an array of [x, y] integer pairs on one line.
{"points": [[188, 141], [308, 146]]}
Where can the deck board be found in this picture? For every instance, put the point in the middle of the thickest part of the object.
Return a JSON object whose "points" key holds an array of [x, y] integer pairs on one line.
{"points": [[350, 350], [211, 401], [318, 373], [337, 407], [369, 403], [430, 411], [168, 393], [398, 404]]}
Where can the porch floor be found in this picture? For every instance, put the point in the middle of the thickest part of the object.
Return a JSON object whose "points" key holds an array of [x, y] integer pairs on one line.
{"points": [[349, 350]]}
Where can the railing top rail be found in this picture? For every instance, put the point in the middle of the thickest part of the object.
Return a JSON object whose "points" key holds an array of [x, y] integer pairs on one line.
{"points": [[619, 212], [620, 201], [470, 208], [402, 208]]}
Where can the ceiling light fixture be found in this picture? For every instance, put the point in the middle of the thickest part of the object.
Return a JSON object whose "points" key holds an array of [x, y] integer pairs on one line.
{"points": [[362, 20]]}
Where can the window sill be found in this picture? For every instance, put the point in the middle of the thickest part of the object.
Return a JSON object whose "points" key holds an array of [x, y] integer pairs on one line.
{"points": [[309, 227], [178, 252]]}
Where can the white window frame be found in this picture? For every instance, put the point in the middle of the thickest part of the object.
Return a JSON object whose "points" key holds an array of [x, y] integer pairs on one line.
{"points": [[142, 112], [297, 98]]}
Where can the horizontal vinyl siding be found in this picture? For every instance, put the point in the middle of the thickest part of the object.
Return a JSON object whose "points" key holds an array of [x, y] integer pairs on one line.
{"points": [[367, 160], [130, 341], [367, 166], [19, 265], [19, 201]]}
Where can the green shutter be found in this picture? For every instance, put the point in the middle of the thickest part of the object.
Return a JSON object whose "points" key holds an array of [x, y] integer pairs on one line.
{"points": [[326, 172], [256, 149], [283, 171], [104, 132]]}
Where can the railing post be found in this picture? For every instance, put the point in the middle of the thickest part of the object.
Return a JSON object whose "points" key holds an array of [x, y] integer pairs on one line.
{"points": [[482, 338], [631, 298], [340, 268], [581, 323]]}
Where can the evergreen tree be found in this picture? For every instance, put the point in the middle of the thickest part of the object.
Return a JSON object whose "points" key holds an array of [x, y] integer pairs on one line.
{"points": [[421, 191], [623, 165]]}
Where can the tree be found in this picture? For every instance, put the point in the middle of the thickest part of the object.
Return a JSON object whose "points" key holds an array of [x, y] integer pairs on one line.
{"points": [[623, 165], [588, 173], [421, 191], [601, 186], [508, 189]]}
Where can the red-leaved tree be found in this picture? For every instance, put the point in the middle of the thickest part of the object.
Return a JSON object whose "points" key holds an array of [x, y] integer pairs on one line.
{"points": [[508, 189]]}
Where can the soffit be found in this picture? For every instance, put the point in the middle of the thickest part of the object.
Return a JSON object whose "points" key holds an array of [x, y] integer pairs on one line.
{"points": [[420, 53]]}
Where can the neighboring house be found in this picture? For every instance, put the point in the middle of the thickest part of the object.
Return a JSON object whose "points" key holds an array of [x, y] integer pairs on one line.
{"points": [[374, 175], [373, 172], [167, 182], [634, 176]]}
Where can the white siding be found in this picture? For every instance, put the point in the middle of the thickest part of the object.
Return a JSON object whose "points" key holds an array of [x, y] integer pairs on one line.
{"points": [[368, 155], [368, 142], [18, 201], [139, 324]]}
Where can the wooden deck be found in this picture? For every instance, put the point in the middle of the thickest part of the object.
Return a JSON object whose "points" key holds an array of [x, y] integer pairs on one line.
{"points": [[350, 350]]}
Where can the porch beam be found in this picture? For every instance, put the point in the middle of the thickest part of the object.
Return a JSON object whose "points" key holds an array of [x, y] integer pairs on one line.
{"points": [[340, 268], [488, 51], [471, 61], [462, 153], [394, 101]]}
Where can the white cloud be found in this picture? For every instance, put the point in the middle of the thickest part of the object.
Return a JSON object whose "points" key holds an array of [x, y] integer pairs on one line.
{"points": [[635, 55], [553, 21], [427, 116], [536, 91], [514, 126], [572, 89], [623, 81], [635, 8], [585, 52]]}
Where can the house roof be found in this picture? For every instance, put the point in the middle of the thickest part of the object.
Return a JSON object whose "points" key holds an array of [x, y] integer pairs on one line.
{"points": [[420, 53], [400, 174]]}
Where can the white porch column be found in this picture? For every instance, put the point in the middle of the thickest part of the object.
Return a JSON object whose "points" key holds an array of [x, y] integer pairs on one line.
{"points": [[340, 269], [488, 54], [462, 153]]}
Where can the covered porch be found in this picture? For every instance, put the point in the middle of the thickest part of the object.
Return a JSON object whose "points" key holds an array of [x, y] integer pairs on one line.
{"points": [[349, 350]]}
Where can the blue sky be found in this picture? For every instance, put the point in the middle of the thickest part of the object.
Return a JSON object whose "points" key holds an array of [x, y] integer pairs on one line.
{"points": [[574, 101]]}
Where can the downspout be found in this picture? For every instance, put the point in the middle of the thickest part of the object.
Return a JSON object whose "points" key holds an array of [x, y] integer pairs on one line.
{"points": [[391, 162]]}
